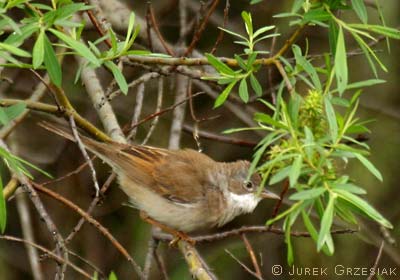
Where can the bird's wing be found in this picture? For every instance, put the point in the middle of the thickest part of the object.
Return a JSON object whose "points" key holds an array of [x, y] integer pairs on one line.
{"points": [[176, 175], [182, 176]]}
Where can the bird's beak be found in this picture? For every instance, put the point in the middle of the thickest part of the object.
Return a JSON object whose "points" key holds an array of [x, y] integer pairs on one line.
{"points": [[267, 194]]}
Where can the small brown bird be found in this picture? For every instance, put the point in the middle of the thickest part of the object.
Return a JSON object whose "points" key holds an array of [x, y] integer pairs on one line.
{"points": [[184, 190]]}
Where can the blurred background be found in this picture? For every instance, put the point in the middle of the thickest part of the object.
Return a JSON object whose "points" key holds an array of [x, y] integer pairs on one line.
{"points": [[380, 103]]}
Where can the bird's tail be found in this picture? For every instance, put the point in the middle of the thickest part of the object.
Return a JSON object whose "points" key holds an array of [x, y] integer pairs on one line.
{"points": [[57, 129]]}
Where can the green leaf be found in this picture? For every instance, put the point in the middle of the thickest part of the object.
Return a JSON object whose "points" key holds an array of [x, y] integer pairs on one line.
{"points": [[255, 85], [333, 36], [241, 62], [341, 63], [280, 175], [220, 66], [309, 143], [364, 207], [316, 15], [224, 95], [360, 9], [38, 51], [369, 166], [51, 63], [326, 222], [308, 194], [265, 118], [307, 66], [243, 91], [263, 30], [349, 187], [295, 170], [119, 77], [112, 276], [9, 113], [382, 30], [77, 46], [14, 50], [313, 232], [15, 110], [287, 228], [3, 209], [330, 114], [234, 34], [248, 22]]}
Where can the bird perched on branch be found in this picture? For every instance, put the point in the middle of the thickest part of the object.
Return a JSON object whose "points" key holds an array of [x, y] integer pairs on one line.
{"points": [[178, 190]]}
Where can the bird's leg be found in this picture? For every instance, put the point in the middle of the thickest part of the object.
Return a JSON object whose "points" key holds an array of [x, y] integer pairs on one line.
{"points": [[178, 235]]}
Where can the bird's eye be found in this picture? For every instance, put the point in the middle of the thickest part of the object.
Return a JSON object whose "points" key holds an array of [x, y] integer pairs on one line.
{"points": [[248, 185]]}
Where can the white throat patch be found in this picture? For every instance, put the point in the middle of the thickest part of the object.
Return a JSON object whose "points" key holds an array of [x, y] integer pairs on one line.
{"points": [[238, 204]]}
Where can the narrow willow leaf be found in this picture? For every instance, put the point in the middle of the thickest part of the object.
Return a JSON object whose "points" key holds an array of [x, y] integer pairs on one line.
{"points": [[3, 117], [241, 62], [255, 85], [331, 116], [15, 110], [307, 194], [307, 66], [3, 209], [234, 34], [333, 35], [265, 118], [243, 91], [51, 63], [369, 166], [78, 47], [280, 175], [313, 232], [284, 213], [364, 206], [247, 22], [112, 276], [309, 143], [287, 228], [224, 95], [341, 71], [263, 30], [295, 170], [219, 66], [349, 187], [119, 77], [360, 9], [38, 51], [382, 30], [326, 222], [14, 50]]}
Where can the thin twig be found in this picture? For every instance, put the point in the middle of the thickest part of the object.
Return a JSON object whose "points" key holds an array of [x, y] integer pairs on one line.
{"points": [[91, 207], [85, 154], [247, 229], [157, 30], [151, 248], [243, 265], [158, 108], [221, 32], [219, 138], [161, 265], [93, 222], [377, 259], [28, 234], [88, 263], [201, 28], [252, 255], [44, 215], [281, 196], [54, 256], [137, 110]]}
